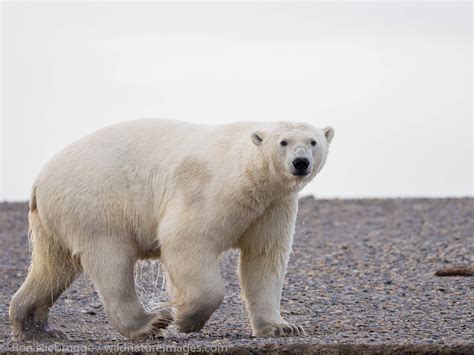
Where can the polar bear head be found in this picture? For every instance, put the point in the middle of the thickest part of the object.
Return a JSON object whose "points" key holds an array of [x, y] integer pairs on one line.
{"points": [[297, 151]]}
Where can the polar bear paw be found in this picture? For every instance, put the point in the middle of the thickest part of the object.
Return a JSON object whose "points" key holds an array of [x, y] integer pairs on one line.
{"points": [[279, 330], [54, 334], [162, 319], [156, 322], [39, 334]]}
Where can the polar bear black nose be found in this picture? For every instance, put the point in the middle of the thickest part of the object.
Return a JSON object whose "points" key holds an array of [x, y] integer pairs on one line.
{"points": [[301, 164]]}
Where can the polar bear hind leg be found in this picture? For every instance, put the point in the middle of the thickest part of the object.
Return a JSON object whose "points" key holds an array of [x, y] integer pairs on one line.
{"points": [[111, 269], [52, 270]]}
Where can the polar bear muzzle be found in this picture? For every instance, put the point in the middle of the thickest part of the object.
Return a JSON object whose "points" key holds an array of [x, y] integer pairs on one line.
{"points": [[301, 167]]}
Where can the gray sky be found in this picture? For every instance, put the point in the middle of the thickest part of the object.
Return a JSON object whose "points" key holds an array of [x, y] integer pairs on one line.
{"points": [[393, 79]]}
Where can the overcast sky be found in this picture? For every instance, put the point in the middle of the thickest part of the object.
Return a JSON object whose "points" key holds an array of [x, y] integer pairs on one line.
{"points": [[393, 79]]}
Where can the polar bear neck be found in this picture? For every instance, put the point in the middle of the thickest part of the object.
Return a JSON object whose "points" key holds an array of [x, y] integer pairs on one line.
{"points": [[260, 187]]}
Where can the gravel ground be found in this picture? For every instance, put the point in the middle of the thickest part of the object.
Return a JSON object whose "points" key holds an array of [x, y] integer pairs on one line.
{"points": [[361, 279]]}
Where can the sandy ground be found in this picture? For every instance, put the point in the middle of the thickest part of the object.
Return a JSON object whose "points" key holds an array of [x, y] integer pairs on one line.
{"points": [[361, 278]]}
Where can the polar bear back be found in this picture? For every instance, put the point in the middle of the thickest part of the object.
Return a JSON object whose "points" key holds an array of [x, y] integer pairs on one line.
{"points": [[119, 179]]}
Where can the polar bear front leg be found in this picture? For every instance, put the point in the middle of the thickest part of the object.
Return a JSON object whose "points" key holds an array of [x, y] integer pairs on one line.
{"points": [[265, 250], [197, 289]]}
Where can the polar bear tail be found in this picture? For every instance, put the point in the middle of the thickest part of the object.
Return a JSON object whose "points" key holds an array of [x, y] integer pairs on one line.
{"points": [[33, 199]]}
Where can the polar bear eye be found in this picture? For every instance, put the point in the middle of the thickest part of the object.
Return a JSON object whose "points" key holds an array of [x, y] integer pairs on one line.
{"points": [[283, 143], [313, 142]]}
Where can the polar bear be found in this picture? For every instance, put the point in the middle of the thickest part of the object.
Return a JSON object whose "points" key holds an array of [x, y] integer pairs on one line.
{"points": [[174, 191]]}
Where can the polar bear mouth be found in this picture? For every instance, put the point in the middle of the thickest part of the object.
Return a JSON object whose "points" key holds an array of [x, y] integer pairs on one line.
{"points": [[300, 173]]}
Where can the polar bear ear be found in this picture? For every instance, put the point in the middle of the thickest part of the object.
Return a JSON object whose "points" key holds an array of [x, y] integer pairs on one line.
{"points": [[329, 133], [257, 137]]}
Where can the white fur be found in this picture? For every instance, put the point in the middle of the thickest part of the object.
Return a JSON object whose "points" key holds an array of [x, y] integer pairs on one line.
{"points": [[179, 192]]}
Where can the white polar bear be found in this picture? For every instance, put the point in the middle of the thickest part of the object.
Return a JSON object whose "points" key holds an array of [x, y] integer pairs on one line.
{"points": [[180, 192]]}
